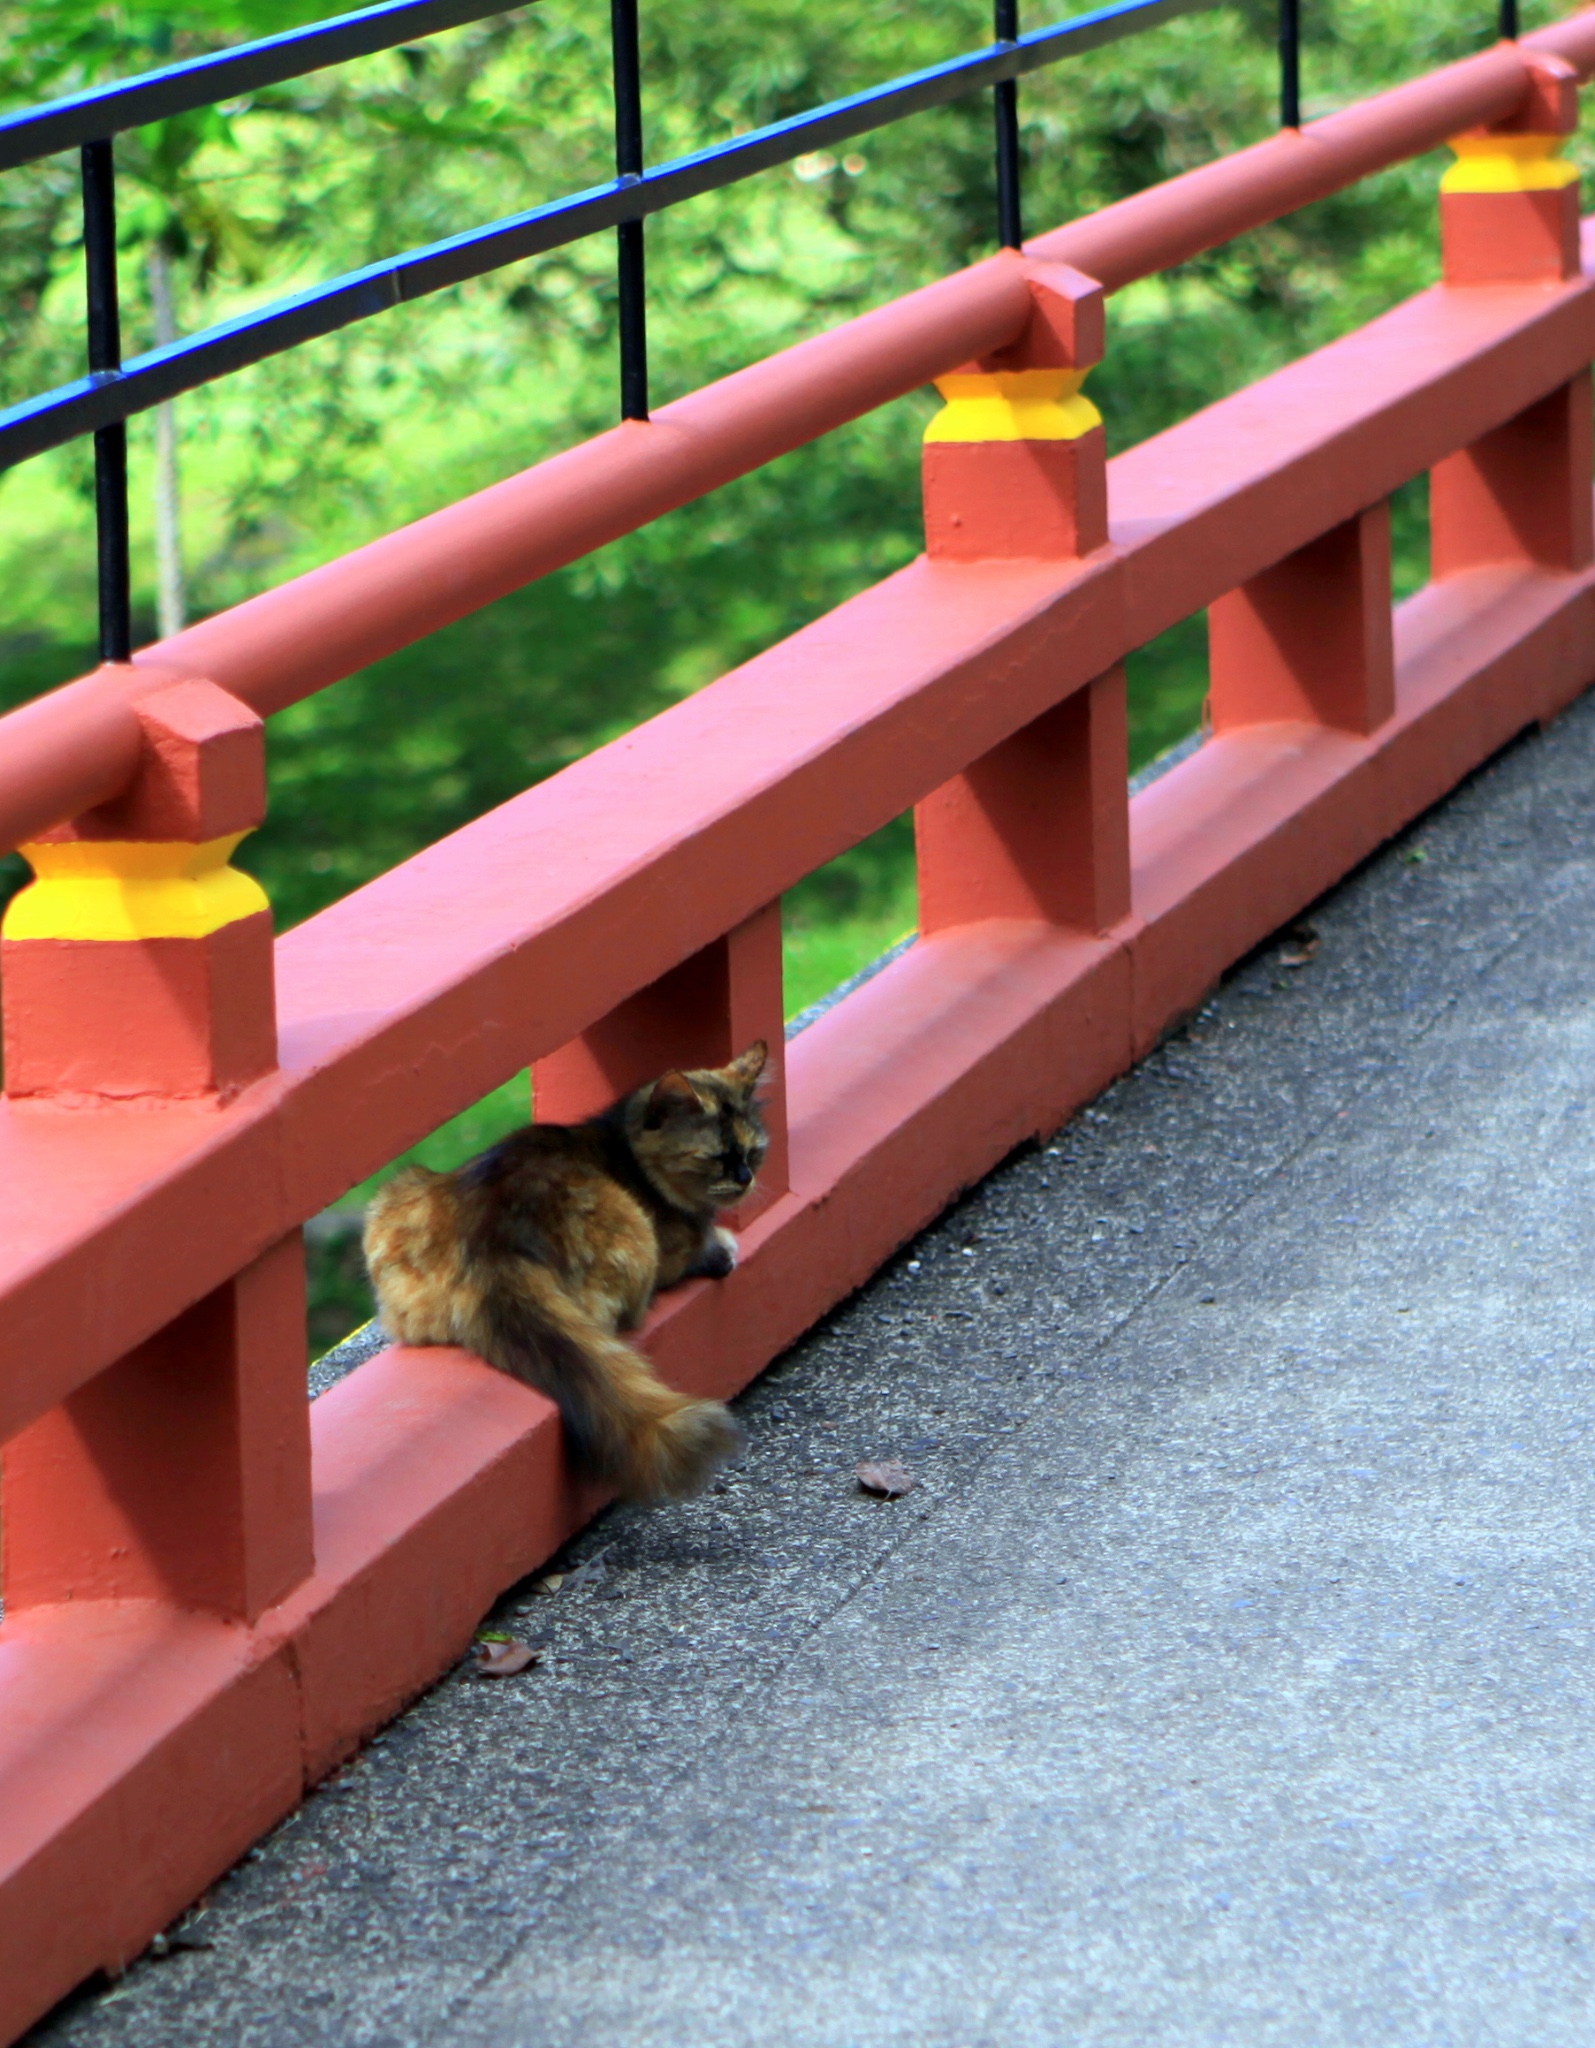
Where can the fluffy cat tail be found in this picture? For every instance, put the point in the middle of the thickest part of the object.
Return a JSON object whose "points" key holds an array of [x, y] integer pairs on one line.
{"points": [[623, 1425]]}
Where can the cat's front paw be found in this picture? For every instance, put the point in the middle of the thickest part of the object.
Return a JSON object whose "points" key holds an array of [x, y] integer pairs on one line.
{"points": [[719, 1254]]}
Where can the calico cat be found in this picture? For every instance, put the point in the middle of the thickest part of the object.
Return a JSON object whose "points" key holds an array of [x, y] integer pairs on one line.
{"points": [[537, 1253]]}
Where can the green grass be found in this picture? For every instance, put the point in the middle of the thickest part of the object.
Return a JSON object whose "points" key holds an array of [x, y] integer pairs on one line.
{"points": [[1167, 683], [821, 957]]}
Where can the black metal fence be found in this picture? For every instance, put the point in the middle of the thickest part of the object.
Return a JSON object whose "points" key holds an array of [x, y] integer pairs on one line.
{"points": [[113, 391]]}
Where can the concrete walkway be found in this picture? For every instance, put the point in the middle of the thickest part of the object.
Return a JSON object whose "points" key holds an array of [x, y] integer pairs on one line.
{"points": [[1227, 1679]]}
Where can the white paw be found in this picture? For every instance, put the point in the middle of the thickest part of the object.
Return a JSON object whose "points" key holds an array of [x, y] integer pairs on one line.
{"points": [[726, 1240]]}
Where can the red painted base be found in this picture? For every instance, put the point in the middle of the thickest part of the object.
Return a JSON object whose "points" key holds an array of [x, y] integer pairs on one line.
{"points": [[1509, 237], [1310, 637], [1009, 500], [157, 1017], [182, 1472]]}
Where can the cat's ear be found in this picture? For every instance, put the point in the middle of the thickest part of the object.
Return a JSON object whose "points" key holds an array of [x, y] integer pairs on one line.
{"points": [[671, 1094], [746, 1068]]}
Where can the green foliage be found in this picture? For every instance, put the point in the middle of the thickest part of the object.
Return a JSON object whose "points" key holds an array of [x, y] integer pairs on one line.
{"points": [[440, 733]]}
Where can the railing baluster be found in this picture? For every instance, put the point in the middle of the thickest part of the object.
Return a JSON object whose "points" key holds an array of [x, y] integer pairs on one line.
{"points": [[1010, 230], [629, 234], [105, 356], [1509, 21], [1290, 63]]}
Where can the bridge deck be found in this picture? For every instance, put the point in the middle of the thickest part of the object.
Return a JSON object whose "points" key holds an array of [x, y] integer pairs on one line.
{"points": [[1225, 1680]]}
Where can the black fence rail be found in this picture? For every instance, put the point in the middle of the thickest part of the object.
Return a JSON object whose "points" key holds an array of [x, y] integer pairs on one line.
{"points": [[115, 390]]}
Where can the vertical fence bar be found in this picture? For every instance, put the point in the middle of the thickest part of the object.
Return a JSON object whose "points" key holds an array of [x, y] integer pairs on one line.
{"points": [[1290, 63], [171, 598], [1509, 21], [105, 356], [1010, 228], [629, 234]]}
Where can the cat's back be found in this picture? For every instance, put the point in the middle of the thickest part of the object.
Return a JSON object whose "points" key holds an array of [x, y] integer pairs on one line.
{"points": [[414, 1249], [541, 1163], [413, 1218], [548, 1194], [552, 1192]]}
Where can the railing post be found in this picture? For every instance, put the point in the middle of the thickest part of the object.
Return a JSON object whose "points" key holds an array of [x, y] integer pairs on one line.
{"points": [[1015, 463], [1509, 210], [1310, 638], [1037, 828], [1290, 63], [181, 1473], [105, 360], [139, 963], [1509, 204], [1010, 206], [631, 273], [138, 970], [700, 1014]]}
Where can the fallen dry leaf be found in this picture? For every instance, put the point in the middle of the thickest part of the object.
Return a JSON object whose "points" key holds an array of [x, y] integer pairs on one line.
{"points": [[592, 1573], [1301, 943], [503, 1656], [886, 1477]]}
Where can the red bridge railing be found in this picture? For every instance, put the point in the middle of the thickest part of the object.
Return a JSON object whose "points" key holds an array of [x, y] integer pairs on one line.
{"points": [[214, 1592]]}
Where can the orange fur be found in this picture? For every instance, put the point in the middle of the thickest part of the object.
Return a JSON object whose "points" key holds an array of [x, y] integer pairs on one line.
{"points": [[539, 1252]]}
